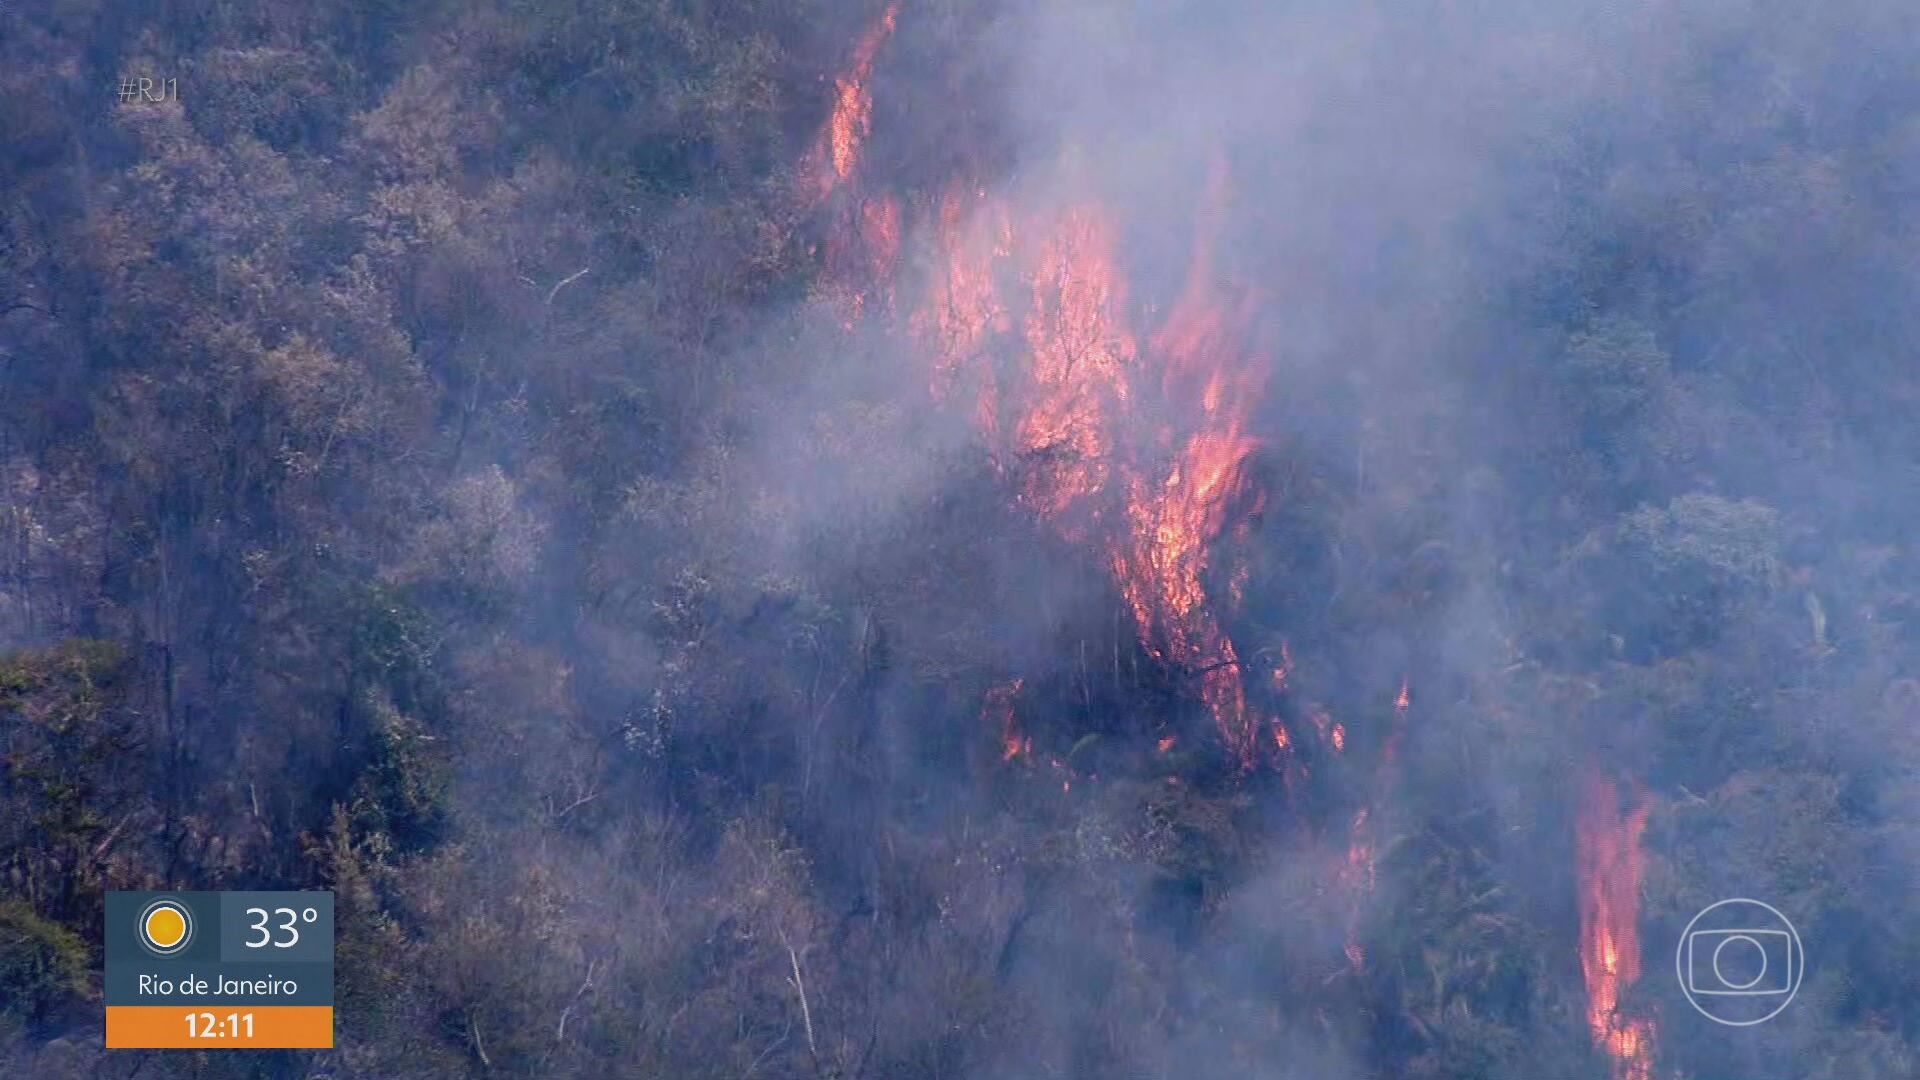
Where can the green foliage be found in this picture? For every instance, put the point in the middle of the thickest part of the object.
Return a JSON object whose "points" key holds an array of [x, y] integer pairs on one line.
{"points": [[1668, 579], [1733, 544], [43, 965], [70, 780], [1474, 980], [1614, 368], [396, 643], [1781, 833], [64, 687], [402, 791]]}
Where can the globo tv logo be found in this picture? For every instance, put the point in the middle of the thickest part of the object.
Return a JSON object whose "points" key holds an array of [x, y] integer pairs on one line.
{"points": [[1740, 962]]}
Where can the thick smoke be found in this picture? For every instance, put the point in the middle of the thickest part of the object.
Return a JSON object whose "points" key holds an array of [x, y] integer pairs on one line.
{"points": [[1424, 200]]}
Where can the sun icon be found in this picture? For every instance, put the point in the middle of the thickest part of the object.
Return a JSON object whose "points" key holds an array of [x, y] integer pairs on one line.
{"points": [[166, 927]]}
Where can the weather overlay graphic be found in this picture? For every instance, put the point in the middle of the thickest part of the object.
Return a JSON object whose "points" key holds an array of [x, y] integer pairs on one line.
{"points": [[214, 969]]}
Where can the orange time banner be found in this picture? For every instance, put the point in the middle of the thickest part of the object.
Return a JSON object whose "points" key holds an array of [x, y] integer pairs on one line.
{"points": [[179, 1027]]}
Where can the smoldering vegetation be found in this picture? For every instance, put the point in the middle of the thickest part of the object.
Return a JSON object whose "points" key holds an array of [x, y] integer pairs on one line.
{"points": [[983, 540]]}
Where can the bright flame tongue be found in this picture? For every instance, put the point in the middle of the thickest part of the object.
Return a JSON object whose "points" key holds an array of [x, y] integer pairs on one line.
{"points": [[1173, 522], [1609, 862], [833, 159], [1081, 357], [1066, 423], [863, 237], [1072, 415]]}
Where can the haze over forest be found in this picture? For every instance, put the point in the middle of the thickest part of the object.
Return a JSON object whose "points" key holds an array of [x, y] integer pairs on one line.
{"points": [[988, 540]]}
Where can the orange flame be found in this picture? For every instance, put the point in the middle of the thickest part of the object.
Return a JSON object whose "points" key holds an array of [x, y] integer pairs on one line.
{"points": [[998, 711], [1283, 669], [837, 154], [1609, 862], [863, 238], [1174, 522], [1362, 849], [862, 252], [1081, 353], [966, 309], [1061, 420]]}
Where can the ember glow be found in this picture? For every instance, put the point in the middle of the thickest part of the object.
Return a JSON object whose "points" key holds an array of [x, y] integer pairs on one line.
{"points": [[861, 254], [998, 712], [1282, 669], [1607, 843], [1361, 872], [1360, 877]]}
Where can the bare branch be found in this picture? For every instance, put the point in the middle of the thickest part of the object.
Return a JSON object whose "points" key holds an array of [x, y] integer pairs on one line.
{"points": [[23, 305], [479, 1046], [761, 1058], [806, 1012], [564, 282], [560, 1031], [574, 805], [113, 834]]}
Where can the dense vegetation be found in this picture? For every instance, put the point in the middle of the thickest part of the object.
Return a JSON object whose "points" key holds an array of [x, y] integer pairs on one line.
{"points": [[615, 649]]}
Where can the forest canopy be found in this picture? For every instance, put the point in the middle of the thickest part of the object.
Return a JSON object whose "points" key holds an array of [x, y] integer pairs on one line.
{"points": [[949, 539]]}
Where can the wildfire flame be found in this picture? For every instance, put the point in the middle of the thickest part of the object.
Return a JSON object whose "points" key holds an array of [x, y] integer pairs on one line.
{"points": [[1068, 423], [965, 310], [1081, 354], [998, 712], [837, 153], [863, 240], [1136, 441], [861, 253], [1175, 521], [1609, 862]]}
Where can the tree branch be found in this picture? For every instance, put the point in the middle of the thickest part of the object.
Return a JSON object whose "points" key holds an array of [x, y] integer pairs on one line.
{"points": [[806, 1012], [560, 1031], [564, 282], [479, 1046]]}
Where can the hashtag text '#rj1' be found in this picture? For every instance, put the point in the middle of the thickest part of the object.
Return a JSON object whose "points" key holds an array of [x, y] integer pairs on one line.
{"points": [[143, 89]]}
